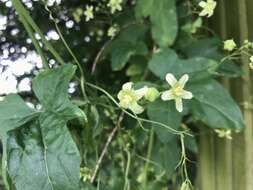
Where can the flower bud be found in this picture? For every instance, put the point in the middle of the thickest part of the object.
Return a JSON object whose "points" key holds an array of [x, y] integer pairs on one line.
{"points": [[151, 94]]}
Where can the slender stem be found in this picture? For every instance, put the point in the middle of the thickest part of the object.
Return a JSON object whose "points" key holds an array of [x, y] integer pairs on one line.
{"points": [[149, 152], [35, 42], [174, 131], [127, 186], [108, 142], [22, 11]]}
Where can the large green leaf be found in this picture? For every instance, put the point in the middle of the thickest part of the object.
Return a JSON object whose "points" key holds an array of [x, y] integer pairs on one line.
{"points": [[46, 144], [214, 106], [167, 155], [167, 61], [165, 113], [163, 17]]}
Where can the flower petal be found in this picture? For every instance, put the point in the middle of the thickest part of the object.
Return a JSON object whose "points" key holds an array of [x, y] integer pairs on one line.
{"points": [[202, 4], [171, 79], [187, 95], [136, 108], [179, 104], [167, 95], [141, 92], [183, 80], [127, 86]]}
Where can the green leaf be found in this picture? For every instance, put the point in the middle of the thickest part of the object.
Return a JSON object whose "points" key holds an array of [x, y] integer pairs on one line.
{"points": [[14, 113], [214, 106], [129, 42], [167, 156], [123, 51], [167, 61], [46, 143], [165, 113], [163, 17]]}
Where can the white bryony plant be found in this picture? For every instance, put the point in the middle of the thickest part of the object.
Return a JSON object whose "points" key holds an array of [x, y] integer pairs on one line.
{"points": [[177, 91], [207, 7], [115, 5], [89, 13], [129, 97]]}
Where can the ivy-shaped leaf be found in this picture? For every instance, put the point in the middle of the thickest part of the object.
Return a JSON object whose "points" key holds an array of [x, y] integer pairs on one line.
{"points": [[163, 16], [214, 106], [167, 61], [42, 154]]}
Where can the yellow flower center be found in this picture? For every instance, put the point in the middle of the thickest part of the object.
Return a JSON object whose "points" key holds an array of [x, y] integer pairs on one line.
{"points": [[177, 90]]}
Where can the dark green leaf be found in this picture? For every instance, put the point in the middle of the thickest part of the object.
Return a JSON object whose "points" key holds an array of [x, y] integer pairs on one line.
{"points": [[167, 156], [47, 142], [165, 113], [163, 17], [214, 106]]}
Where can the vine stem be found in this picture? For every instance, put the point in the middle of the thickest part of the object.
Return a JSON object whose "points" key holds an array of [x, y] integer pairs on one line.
{"points": [[173, 131], [108, 142], [149, 152]]}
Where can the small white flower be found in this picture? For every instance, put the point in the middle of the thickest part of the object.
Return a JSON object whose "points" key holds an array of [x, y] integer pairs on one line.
{"points": [[112, 31], [115, 5], [177, 91], [229, 45], [88, 13], [129, 97], [222, 133], [207, 7]]}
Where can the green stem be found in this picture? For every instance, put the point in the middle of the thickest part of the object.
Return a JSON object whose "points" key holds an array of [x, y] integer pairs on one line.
{"points": [[149, 152], [35, 42], [127, 186], [22, 11]]}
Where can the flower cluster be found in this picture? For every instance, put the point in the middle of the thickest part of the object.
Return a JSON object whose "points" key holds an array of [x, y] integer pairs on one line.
{"points": [[245, 49], [129, 97], [112, 31], [222, 133], [207, 7]]}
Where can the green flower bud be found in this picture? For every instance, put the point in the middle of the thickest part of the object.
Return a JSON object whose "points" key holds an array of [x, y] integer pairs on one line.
{"points": [[229, 45], [151, 94]]}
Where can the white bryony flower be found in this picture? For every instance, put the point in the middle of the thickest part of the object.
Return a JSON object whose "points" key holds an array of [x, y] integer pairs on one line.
{"points": [[89, 13], [115, 5], [112, 31], [229, 45], [129, 97], [251, 62], [222, 133], [177, 91], [207, 7]]}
